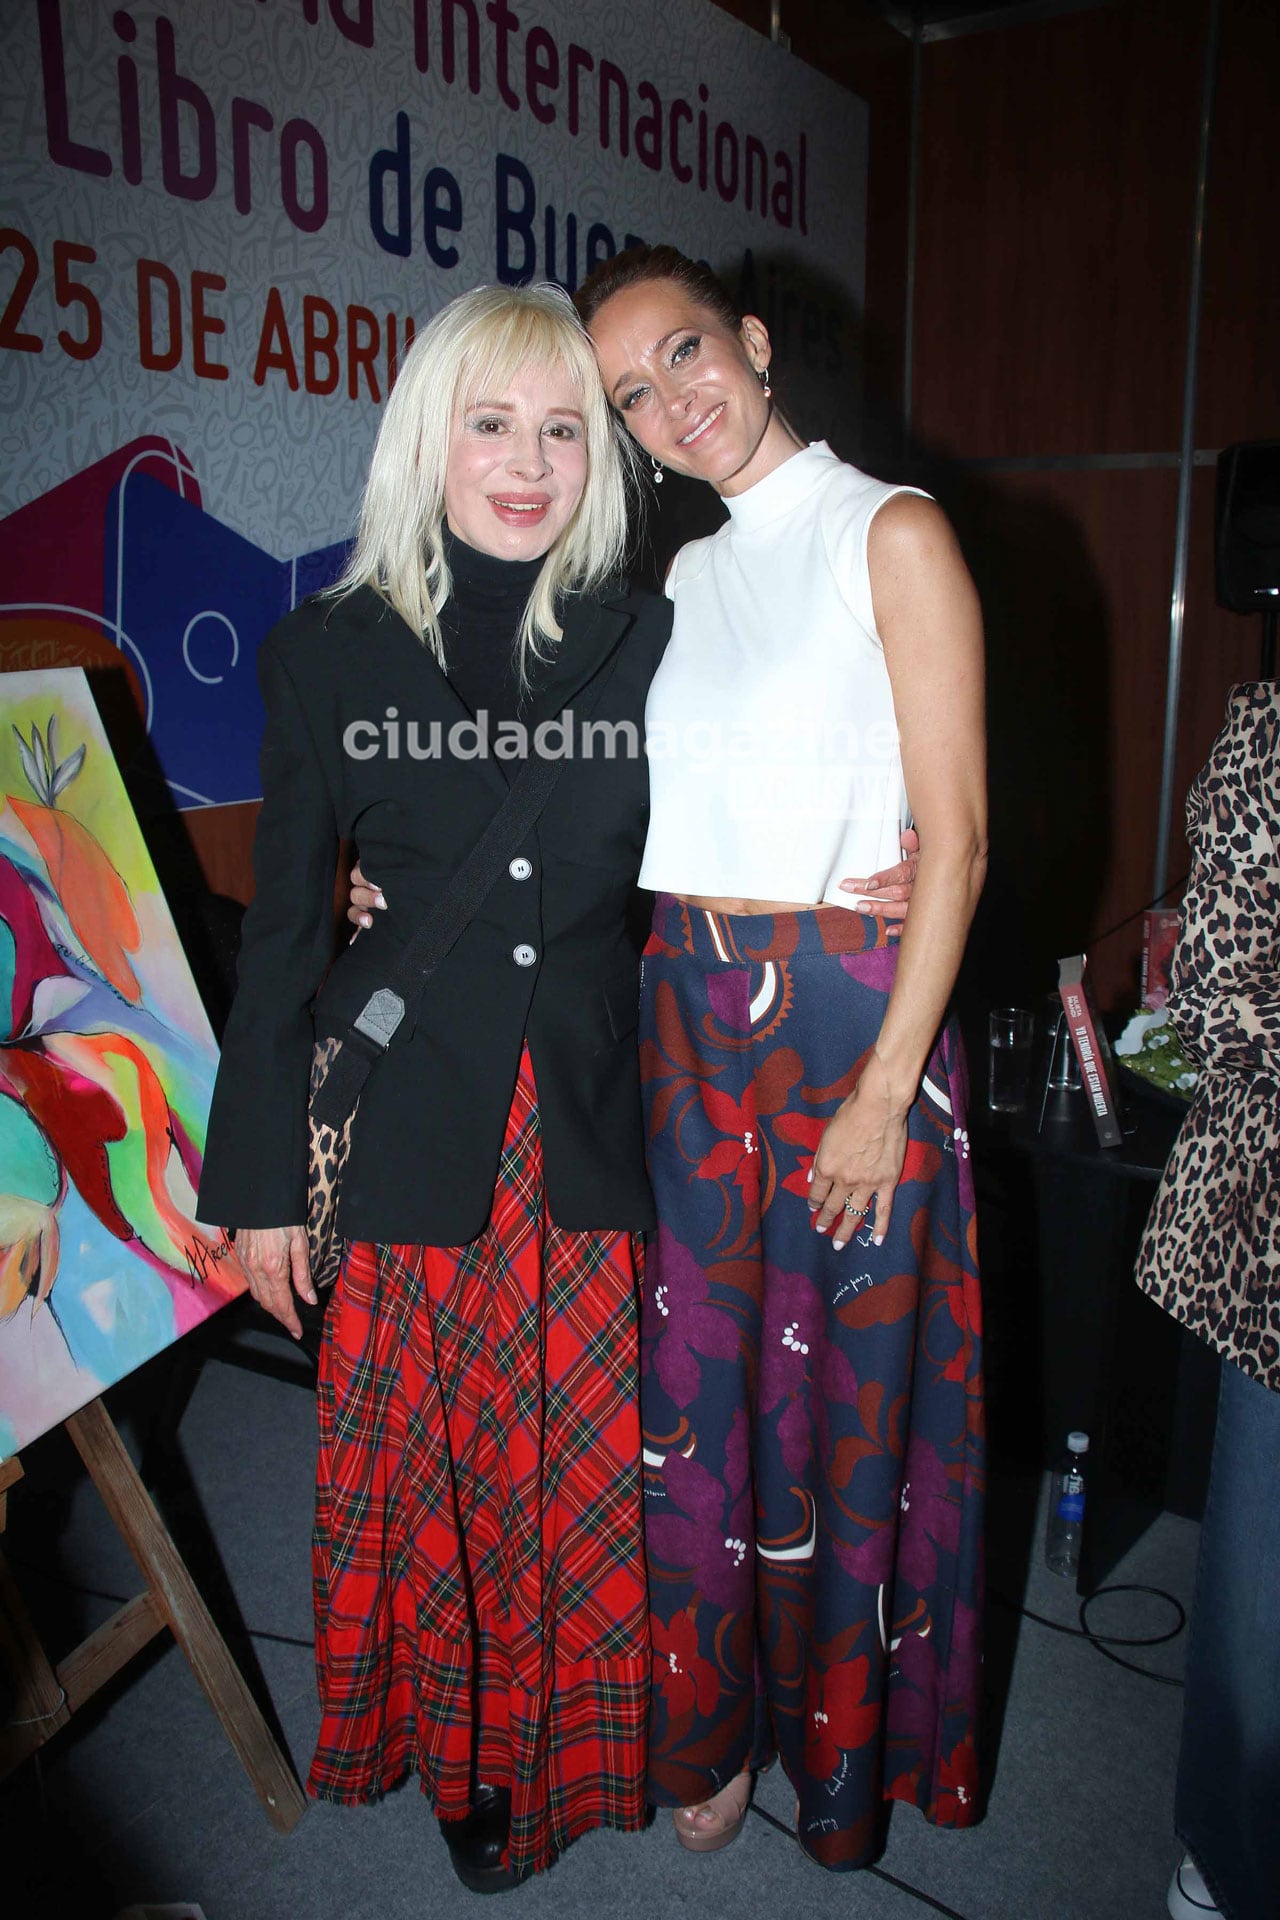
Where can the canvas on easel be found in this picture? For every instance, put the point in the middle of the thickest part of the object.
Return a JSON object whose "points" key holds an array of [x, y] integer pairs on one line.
{"points": [[107, 1063]]}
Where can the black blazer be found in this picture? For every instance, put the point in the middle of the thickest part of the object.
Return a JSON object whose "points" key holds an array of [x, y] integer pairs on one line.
{"points": [[428, 1131]]}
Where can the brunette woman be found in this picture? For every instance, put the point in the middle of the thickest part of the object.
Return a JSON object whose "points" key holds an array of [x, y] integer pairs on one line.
{"points": [[811, 1373]]}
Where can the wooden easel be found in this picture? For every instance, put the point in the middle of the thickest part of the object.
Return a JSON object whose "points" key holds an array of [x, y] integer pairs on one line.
{"points": [[47, 1696]]}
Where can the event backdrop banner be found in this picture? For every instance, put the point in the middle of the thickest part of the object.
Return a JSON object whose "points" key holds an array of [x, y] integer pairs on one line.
{"points": [[220, 226]]}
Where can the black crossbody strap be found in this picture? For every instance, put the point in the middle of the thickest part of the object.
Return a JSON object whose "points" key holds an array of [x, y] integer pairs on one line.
{"points": [[391, 1005]]}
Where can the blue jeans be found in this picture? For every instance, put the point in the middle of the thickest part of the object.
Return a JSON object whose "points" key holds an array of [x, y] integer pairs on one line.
{"points": [[1228, 1794]]}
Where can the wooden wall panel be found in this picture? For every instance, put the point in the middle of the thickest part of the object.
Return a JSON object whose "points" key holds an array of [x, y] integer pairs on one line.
{"points": [[1057, 171], [1057, 191], [1239, 395], [1074, 570], [1219, 649]]}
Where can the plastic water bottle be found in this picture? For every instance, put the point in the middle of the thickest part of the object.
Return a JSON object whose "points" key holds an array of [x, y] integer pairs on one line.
{"points": [[1066, 1510]]}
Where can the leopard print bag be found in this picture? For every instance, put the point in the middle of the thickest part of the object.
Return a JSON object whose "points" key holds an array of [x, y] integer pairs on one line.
{"points": [[325, 1166]]}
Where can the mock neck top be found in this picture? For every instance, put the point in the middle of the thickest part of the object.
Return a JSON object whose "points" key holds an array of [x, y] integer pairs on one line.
{"points": [[782, 490], [774, 764], [480, 622]]}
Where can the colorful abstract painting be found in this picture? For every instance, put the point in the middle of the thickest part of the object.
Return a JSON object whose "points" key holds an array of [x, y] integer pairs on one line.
{"points": [[106, 1072]]}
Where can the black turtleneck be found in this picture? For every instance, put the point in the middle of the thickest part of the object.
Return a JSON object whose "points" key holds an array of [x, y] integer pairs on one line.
{"points": [[480, 623]]}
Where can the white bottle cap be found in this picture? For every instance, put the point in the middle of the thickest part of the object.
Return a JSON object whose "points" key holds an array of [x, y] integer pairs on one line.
{"points": [[1078, 1442]]}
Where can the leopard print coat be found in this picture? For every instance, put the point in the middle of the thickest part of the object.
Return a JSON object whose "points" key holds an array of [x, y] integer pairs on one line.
{"points": [[1211, 1251]]}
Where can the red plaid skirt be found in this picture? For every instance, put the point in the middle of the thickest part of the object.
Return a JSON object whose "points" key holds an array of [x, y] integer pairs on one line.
{"points": [[479, 1561]]}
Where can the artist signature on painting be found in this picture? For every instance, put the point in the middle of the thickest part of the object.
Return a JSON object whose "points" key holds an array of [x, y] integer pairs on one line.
{"points": [[203, 1256]]}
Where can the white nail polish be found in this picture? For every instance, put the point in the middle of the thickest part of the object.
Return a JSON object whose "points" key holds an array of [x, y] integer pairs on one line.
{"points": [[839, 1244]]}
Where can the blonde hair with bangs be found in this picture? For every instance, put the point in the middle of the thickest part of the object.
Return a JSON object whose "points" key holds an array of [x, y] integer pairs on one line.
{"points": [[471, 349]]}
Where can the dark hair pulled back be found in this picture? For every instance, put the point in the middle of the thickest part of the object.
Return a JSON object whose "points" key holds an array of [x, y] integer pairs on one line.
{"points": [[640, 265]]}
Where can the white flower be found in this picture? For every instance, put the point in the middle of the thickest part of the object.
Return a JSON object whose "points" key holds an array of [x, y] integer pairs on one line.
{"points": [[1134, 1037]]}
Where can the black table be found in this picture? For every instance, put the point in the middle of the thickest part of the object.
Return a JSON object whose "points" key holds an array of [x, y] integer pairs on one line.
{"points": [[1111, 1362]]}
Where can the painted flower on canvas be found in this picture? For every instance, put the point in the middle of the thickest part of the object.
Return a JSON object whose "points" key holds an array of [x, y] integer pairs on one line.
{"points": [[106, 1070]]}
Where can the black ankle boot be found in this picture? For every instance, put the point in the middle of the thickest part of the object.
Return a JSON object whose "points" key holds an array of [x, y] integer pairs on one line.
{"points": [[477, 1842]]}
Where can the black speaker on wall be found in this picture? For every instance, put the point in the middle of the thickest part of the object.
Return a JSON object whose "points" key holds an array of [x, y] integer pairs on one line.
{"points": [[1247, 526]]}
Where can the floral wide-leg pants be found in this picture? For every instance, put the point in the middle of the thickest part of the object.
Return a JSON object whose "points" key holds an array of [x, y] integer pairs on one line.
{"points": [[813, 1428]]}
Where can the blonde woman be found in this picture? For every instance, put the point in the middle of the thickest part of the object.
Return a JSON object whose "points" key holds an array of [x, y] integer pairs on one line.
{"points": [[479, 1569]]}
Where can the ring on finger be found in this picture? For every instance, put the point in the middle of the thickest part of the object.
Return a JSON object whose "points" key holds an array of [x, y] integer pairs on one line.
{"points": [[855, 1213]]}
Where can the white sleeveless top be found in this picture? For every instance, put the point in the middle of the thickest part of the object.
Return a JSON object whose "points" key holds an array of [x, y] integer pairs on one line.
{"points": [[774, 768]]}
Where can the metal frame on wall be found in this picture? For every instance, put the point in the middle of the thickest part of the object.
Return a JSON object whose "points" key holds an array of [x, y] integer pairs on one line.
{"points": [[1178, 596]]}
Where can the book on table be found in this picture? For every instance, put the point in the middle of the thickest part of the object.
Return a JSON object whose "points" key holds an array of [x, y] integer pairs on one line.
{"points": [[1093, 1050]]}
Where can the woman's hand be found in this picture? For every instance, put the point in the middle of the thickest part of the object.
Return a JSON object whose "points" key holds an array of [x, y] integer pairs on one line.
{"points": [[276, 1266], [366, 899], [860, 1158], [888, 893]]}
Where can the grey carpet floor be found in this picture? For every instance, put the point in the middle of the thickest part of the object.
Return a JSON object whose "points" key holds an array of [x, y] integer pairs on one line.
{"points": [[142, 1800]]}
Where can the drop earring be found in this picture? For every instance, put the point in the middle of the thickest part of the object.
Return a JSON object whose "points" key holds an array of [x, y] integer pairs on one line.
{"points": [[762, 375], [657, 470]]}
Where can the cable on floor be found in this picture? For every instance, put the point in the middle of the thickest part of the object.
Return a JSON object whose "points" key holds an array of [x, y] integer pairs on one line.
{"points": [[903, 1886], [1103, 1642], [926, 1899]]}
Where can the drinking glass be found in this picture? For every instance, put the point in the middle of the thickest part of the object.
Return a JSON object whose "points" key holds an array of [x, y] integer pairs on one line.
{"points": [[1010, 1032]]}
